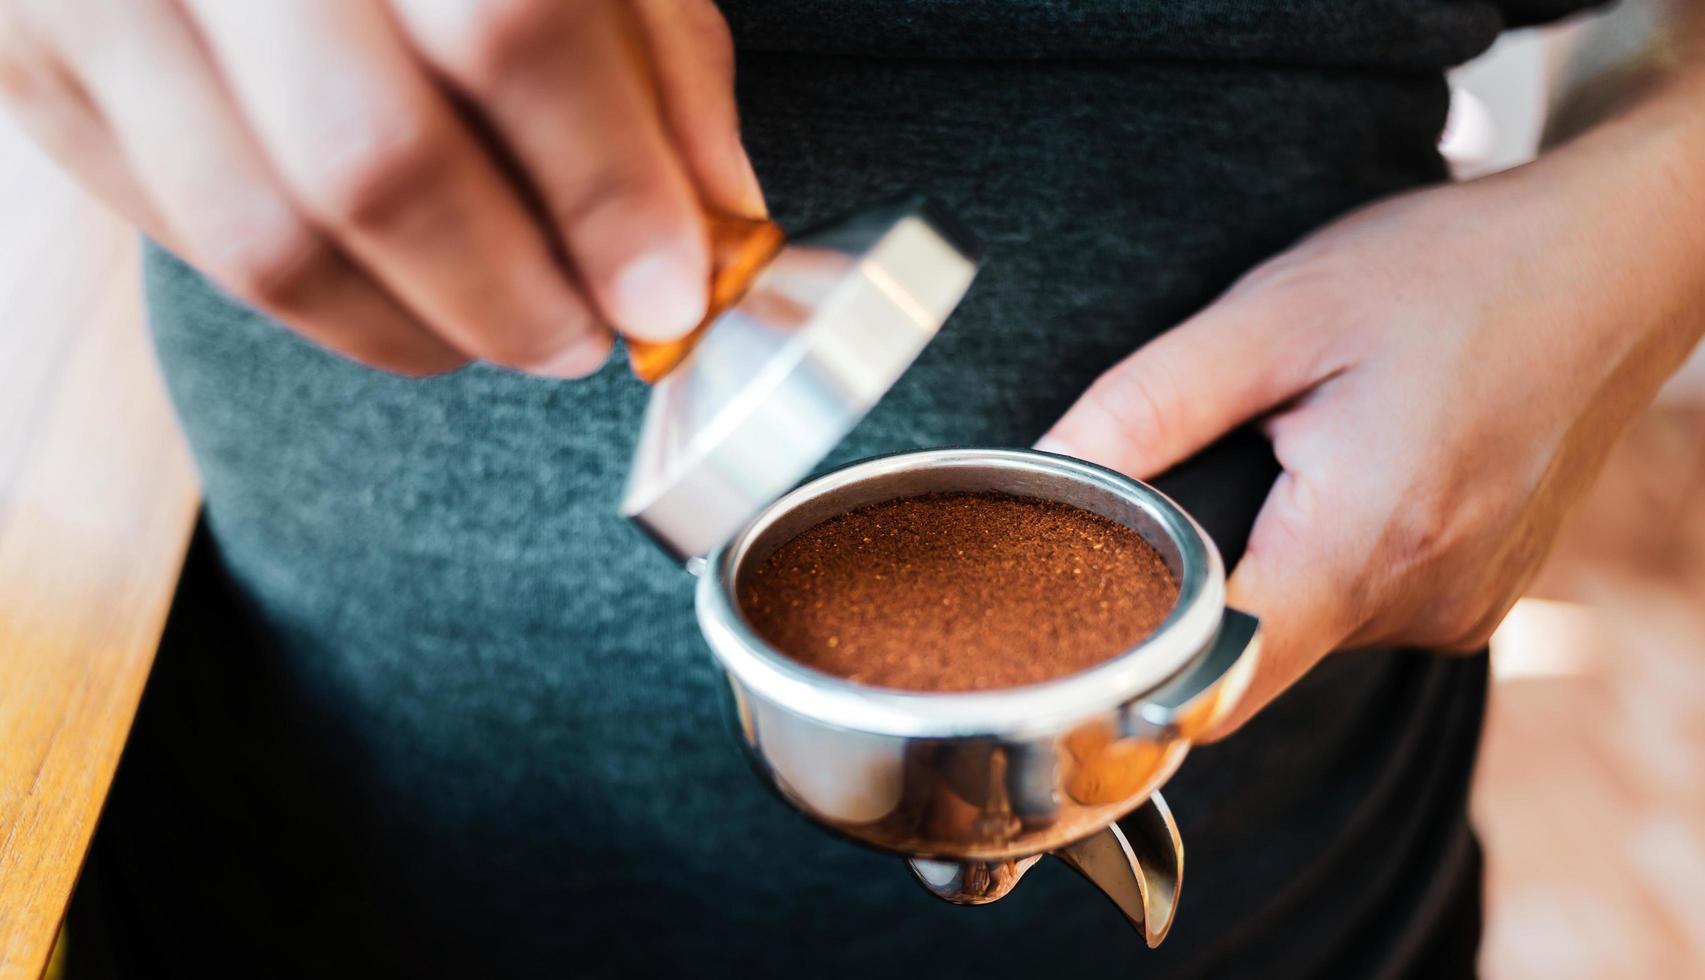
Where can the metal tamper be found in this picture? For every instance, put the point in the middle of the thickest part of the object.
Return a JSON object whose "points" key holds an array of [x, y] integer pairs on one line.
{"points": [[805, 335]]}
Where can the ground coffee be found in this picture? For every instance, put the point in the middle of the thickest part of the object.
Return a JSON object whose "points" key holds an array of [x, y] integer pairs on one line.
{"points": [[959, 592]]}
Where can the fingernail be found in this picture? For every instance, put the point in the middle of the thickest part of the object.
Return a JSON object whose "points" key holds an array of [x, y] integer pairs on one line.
{"points": [[1049, 444], [661, 295], [752, 194], [577, 360]]}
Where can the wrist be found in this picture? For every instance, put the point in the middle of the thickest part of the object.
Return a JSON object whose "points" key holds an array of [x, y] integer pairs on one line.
{"points": [[1598, 248], [1628, 198]]}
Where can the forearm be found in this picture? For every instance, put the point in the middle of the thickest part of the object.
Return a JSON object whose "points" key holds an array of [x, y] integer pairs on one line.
{"points": [[1441, 375], [1626, 200]]}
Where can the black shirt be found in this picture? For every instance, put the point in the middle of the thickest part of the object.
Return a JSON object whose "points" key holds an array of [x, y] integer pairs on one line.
{"points": [[427, 705]]}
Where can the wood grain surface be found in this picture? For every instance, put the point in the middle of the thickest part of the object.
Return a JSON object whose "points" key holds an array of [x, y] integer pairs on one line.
{"points": [[97, 498]]}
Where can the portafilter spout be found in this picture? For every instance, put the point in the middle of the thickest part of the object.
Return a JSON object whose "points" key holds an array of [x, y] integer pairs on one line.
{"points": [[1137, 863]]}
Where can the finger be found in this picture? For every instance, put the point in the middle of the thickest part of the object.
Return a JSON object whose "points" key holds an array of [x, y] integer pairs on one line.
{"points": [[378, 157], [693, 60], [219, 203], [1187, 387], [568, 89], [49, 105], [1302, 575]]}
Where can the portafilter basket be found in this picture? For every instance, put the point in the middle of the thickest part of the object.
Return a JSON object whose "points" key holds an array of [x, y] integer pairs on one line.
{"points": [[973, 788]]}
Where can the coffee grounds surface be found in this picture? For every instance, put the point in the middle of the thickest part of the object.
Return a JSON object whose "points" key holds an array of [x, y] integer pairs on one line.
{"points": [[959, 592]]}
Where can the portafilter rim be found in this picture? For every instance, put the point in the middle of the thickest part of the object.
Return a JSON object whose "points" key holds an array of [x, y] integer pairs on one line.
{"points": [[1016, 712]]}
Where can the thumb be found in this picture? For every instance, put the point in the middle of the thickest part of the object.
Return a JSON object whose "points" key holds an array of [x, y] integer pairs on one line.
{"points": [[1302, 576], [1186, 388]]}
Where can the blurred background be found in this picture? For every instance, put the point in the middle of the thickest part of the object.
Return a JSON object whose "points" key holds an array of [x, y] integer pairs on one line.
{"points": [[1591, 790], [1590, 794]]}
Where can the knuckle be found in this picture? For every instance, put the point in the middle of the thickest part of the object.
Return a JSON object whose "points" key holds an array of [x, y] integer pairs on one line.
{"points": [[1439, 527], [1140, 403], [1457, 620], [1291, 524], [1303, 290], [494, 34], [369, 180], [1411, 542], [270, 265], [17, 81], [1421, 531], [21, 63], [606, 189], [1292, 279]]}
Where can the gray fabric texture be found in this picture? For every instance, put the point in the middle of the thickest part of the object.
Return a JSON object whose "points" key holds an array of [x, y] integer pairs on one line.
{"points": [[428, 706], [1384, 35]]}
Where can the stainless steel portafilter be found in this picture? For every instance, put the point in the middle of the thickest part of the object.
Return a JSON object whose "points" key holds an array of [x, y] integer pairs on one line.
{"points": [[804, 337], [975, 787]]}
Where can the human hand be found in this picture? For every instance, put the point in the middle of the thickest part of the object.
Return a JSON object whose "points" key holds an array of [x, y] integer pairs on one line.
{"points": [[413, 183], [1441, 376]]}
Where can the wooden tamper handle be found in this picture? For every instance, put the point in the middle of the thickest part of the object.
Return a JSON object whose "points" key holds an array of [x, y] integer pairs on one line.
{"points": [[739, 250]]}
